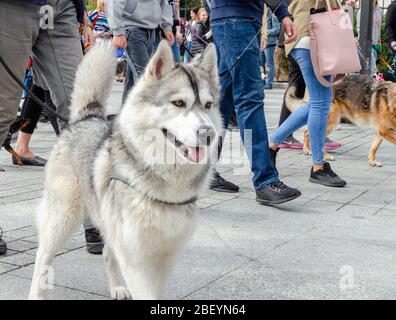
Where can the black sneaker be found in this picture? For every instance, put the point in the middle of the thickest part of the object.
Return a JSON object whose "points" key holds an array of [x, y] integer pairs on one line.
{"points": [[326, 177], [218, 183], [275, 193], [94, 241], [273, 154], [3, 245]]}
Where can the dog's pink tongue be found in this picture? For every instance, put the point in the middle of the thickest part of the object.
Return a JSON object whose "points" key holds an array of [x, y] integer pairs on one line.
{"points": [[196, 153]]}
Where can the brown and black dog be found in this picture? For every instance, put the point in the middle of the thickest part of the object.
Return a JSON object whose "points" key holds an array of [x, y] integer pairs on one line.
{"points": [[364, 101], [15, 127]]}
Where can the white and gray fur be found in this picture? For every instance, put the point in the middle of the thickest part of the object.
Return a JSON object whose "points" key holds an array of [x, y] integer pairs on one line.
{"points": [[103, 170]]}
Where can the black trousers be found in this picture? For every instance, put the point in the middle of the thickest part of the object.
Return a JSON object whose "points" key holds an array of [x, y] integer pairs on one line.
{"points": [[296, 79], [31, 110]]}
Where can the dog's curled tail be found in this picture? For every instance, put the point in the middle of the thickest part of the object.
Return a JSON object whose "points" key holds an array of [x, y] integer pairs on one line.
{"points": [[291, 101], [93, 81]]}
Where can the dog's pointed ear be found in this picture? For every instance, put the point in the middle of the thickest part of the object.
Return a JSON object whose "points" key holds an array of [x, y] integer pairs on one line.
{"points": [[161, 63], [208, 62]]}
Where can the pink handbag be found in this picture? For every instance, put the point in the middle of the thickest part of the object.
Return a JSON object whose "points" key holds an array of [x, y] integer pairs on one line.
{"points": [[333, 46]]}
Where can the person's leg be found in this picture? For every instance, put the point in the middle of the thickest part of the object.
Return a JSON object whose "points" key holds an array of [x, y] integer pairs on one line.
{"points": [[232, 37], [269, 57], [32, 111], [373, 63], [19, 25], [138, 54], [296, 80], [315, 112], [187, 56], [248, 93], [176, 50], [57, 54], [218, 183], [262, 65]]}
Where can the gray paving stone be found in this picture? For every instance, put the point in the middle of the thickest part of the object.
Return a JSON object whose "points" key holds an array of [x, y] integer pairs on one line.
{"points": [[16, 288], [241, 249]]}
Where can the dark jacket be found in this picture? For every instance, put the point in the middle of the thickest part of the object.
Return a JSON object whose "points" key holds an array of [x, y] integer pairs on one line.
{"points": [[253, 9], [390, 25], [198, 44]]}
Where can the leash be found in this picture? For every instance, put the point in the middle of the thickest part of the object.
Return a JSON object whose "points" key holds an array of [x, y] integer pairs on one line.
{"points": [[29, 92], [145, 195]]}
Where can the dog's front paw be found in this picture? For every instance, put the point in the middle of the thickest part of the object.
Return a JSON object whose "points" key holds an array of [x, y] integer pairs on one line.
{"points": [[120, 293], [375, 163]]}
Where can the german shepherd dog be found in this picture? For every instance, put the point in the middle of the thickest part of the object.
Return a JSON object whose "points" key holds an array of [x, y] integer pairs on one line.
{"points": [[18, 124], [145, 207], [364, 101]]}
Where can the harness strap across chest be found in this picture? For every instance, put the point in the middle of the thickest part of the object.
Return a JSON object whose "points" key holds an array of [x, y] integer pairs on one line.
{"points": [[145, 195]]}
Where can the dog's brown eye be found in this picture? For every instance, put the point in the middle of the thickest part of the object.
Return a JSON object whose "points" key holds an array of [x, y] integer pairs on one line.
{"points": [[179, 103], [208, 105]]}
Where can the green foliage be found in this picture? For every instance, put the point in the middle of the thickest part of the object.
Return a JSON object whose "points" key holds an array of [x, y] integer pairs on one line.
{"points": [[91, 5], [385, 53]]}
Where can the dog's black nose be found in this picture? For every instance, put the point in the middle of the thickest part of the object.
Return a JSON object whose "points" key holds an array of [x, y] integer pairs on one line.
{"points": [[206, 134]]}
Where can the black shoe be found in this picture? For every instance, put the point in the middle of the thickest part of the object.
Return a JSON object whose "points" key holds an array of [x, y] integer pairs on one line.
{"points": [[273, 154], [94, 241], [3, 245], [326, 177], [36, 161], [218, 183], [275, 193]]}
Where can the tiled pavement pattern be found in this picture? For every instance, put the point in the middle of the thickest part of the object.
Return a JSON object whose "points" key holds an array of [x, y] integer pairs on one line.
{"points": [[328, 244]]}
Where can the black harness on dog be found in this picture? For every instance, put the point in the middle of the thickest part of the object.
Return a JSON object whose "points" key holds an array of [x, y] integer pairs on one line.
{"points": [[145, 195]]}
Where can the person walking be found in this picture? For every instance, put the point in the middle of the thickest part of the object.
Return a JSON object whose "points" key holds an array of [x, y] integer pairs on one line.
{"points": [[189, 27], [200, 33], [315, 111], [234, 24], [49, 31], [133, 23], [54, 45], [273, 30]]}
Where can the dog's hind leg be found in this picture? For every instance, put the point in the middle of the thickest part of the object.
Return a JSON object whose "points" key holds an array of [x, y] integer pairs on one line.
{"points": [[373, 151], [56, 224], [118, 291]]}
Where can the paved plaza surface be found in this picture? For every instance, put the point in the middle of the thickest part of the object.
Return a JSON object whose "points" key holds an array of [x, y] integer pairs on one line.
{"points": [[328, 244]]}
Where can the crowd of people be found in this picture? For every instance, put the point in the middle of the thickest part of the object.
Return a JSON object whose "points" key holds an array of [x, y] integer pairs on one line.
{"points": [[136, 27]]}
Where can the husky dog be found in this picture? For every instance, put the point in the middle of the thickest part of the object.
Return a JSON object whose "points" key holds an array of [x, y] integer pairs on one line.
{"points": [[137, 178], [364, 101]]}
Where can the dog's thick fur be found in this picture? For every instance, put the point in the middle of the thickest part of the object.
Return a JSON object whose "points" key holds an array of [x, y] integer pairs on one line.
{"points": [[364, 101], [144, 209]]}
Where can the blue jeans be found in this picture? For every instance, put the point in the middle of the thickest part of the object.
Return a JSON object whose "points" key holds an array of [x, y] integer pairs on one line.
{"points": [[269, 58], [187, 57], [176, 50], [140, 48], [243, 88], [314, 112]]}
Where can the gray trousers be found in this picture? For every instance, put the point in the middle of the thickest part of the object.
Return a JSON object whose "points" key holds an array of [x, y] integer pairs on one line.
{"points": [[56, 55]]}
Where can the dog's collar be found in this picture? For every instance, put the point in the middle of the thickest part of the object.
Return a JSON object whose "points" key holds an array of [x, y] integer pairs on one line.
{"points": [[125, 181]]}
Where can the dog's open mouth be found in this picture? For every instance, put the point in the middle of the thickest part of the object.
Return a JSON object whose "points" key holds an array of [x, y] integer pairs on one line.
{"points": [[195, 154]]}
